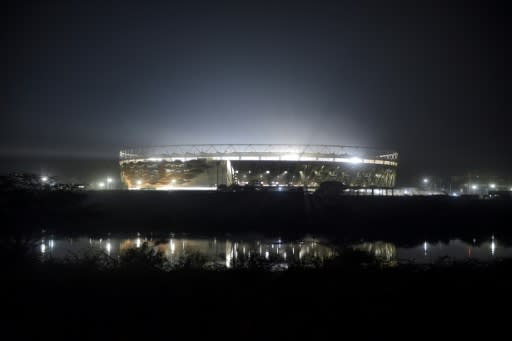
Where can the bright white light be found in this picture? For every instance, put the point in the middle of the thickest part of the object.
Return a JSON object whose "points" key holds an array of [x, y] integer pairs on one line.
{"points": [[455, 194], [109, 180], [406, 192], [492, 186], [109, 247], [139, 182], [425, 181], [44, 178], [425, 247], [474, 186], [266, 255], [290, 157], [173, 181], [137, 243], [101, 184], [43, 248], [174, 188], [493, 247], [267, 172], [355, 160], [173, 247]]}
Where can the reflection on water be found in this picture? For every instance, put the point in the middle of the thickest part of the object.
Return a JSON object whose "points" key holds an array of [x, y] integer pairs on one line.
{"points": [[381, 250], [225, 252], [217, 251]]}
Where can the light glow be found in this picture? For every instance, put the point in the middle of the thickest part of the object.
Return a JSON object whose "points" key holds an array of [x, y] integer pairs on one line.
{"points": [[355, 160]]}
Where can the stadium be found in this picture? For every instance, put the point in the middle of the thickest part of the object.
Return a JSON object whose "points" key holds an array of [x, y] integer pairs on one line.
{"points": [[280, 166]]}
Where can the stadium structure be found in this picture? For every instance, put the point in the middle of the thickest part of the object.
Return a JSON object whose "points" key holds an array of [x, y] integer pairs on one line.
{"points": [[262, 165]]}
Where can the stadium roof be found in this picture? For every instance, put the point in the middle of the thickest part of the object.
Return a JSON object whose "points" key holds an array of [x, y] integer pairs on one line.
{"points": [[261, 152]]}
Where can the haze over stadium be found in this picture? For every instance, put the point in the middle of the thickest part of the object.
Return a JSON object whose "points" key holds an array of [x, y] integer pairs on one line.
{"points": [[87, 79]]}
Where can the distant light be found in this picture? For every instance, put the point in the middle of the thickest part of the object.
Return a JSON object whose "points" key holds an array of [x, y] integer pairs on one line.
{"points": [[268, 172], [173, 181], [101, 184], [455, 194], [425, 180], [109, 247], [285, 172], [474, 186], [406, 192], [43, 248], [109, 180], [44, 178], [139, 182], [492, 186]]}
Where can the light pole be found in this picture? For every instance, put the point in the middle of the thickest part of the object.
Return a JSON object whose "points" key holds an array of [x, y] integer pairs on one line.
{"points": [[109, 182]]}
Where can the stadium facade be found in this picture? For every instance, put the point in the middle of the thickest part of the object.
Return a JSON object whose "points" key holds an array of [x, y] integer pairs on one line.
{"points": [[268, 165]]}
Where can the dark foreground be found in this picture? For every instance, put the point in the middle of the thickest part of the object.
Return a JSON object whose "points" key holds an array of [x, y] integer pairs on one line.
{"points": [[355, 296], [336, 302]]}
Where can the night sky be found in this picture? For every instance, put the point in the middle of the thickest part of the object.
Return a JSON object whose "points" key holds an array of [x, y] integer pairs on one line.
{"points": [[83, 79]]}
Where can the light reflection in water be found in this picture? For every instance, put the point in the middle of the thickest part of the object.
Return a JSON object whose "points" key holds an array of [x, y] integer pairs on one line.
{"points": [[173, 246], [235, 252]]}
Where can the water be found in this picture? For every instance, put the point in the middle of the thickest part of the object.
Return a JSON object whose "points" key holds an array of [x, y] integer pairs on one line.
{"points": [[225, 252]]}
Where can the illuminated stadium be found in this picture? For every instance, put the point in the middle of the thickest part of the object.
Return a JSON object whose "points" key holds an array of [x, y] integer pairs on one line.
{"points": [[259, 165]]}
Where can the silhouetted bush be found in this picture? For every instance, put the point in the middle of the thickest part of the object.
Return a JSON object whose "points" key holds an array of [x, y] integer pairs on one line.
{"points": [[145, 258]]}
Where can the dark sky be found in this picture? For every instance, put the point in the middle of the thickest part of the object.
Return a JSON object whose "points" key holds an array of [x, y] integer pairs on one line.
{"points": [[87, 78]]}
